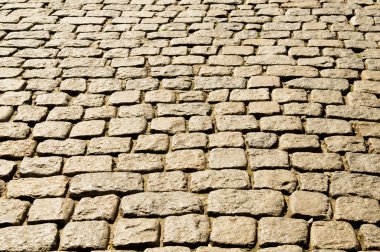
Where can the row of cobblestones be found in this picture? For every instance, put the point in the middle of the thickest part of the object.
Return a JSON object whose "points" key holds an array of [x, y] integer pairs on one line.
{"points": [[190, 125]]}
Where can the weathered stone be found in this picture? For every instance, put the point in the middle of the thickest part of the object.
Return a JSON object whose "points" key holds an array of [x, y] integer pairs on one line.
{"points": [[366, 163], [168, 181], [6, 168], [152, 143], [17, 148], [42, 237], [236, 123], [282, 180], [333, 235], [357, 209], [221, 158], [139, 162], [105, 183], [10, 130], [309, 204], [85, 129], [370, 236], [345, 184], [127, 126], [281, 230], [109, 145], [97, 208], [68, 147], [287, 248], [56, 210], [308, 161], [41, 166], [281, 124], [238, 231], [85, 235], [345, 144], [189, 141], [321, 126], [208, 180], [51, 129], [136, 232], [261, 140], [160, 204], [185, 160], [246, 202], [170, 125], [13, 211], [313, 182], [186, 229], [267, 159], [86, 164], [37, 187], [294, 142]]}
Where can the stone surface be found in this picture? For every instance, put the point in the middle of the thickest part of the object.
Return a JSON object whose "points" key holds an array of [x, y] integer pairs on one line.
{"points": [[136, 232], [370, 236], [160, 204], [247, 202], [186, 229], [309, 204], [85, 235], [333, 235], [281, 230], [226, 109], [238, 231], [29, 238]]}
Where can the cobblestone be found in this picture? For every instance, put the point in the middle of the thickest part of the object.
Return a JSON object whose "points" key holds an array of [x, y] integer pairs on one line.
{"points": [[189, 125]]}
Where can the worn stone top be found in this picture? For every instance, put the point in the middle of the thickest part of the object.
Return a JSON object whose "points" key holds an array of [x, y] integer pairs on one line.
{"points": [[190, 125]]}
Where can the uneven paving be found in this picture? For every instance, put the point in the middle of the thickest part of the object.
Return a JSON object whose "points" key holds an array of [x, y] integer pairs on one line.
{"points": [[190, 125]]}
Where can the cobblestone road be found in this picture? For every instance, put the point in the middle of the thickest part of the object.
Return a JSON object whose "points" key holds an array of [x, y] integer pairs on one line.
{"points": [[190, 125]]}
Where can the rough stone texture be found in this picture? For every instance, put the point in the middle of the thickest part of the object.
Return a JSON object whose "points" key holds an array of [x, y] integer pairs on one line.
{"points": [[29, 238], [13, 211], [186, 229], [136, 232], [309, 204], [333, 235], [370, 235], [97, 208], [85, 235], [238, 231], [280, 230], [160, 204], [219, 108], [254, 203]]}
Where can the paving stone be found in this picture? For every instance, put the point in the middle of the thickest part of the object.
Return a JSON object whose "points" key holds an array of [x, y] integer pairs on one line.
{"points": [[57, 210], [85, 129], [97, 208], [9, 130], [188, 141], [85, 235], [366, 163], [226, 139], [13, 211], [85, 164], [140, 162], [238, 231], [136, 232], [6, 168], [221, 158], [333, 235], [169, 125], [287, 248], [370, 236], [309, 204], [149, 204], [236, 123], [68, 147], [51, 129], [168, 249], [41, 166], [345, 144], [357, 209], [345, 184], [313, 182], [264, 159], [208, 180], [281, 230], [185, 160], [169, 181], [127, 126], [17, 148], [321, 126], [282, 180], [218, 249], [245, 202], [308, 161], [105, 183], [261, 140], [186, 229], [54, 186], [29, 238], [281, 124], [152, 143], [109, 145], [294, 142]]}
